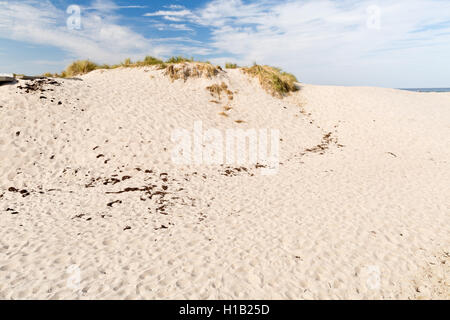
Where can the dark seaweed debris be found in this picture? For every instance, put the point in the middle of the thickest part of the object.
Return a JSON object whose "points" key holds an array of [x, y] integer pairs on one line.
{"points": [[24, 192], [38, 85]]}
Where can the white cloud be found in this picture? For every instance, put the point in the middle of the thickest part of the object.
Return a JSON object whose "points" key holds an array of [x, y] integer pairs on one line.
{"points": [[101, 38], [180, 13], [172, 27], [175, 6], [333, 41], [108, 6], [181, 26], [322, 41], [170, 18]]}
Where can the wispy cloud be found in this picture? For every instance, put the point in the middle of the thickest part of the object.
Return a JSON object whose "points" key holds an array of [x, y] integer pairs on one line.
{"points": [[325, 36], [179, 13], [322, 41], [101, 37], [109, 5], [174, 6], [239, 27], [172, 26], [175, 19]]}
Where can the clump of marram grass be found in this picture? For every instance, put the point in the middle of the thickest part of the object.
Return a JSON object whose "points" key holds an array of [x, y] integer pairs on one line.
{"points": [[81, 67], [106, 67], [186, 70], [150, 61], [50, 75], [273, 80], [127, 63], [179, 59], [216, 90], [230, 65], [78, 68]]}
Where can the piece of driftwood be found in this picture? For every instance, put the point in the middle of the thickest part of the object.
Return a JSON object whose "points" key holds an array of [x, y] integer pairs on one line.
{"points": [[24, 77], [6, 78]]}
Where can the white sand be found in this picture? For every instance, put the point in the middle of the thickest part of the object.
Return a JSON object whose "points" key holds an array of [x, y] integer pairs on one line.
{"points": [[367, 218]]}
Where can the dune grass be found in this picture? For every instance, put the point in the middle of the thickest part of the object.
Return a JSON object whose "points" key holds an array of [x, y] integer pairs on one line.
{"points": [[81, 67], [150, 61], [275, 81], [127, 63], [179, 59], [230, 65], [216, 91], [184, 70], [76, 68]]}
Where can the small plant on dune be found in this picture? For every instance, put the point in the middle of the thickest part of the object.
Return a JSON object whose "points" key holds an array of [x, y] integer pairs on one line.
{"points": [[216, 90], [78, 68], [127, 63], [191, 70], [273, 80], [150, 61], [208, 69], [230, 65], [50, 75], [179, 59]]}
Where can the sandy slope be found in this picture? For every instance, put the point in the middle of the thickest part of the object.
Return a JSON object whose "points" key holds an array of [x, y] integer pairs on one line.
{"points": [[368, 217]]}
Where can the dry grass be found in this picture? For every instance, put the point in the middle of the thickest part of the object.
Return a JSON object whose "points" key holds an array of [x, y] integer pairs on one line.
{"points": [[150, 61], [179, 59], [81, 67], [127, 63], [216, 90], [191, 70], [227, 108], [273, 80], [230, 65], [224, 114], [78, 68]]}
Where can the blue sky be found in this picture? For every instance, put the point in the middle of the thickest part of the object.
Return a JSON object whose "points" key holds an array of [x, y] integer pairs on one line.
{"points": [[403, 43]]}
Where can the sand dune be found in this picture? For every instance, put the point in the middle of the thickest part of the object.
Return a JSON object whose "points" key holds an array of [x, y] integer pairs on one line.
{"points": [[93, 207]]}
